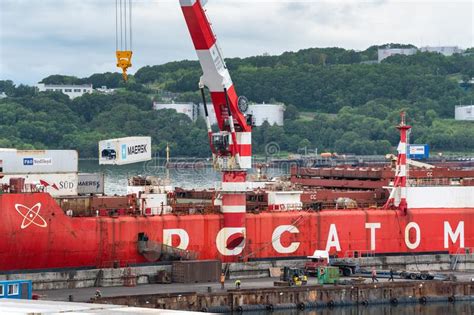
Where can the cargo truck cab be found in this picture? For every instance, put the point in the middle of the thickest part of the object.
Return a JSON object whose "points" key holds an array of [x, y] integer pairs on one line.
{"points": [[108, 154], [320, 258]]}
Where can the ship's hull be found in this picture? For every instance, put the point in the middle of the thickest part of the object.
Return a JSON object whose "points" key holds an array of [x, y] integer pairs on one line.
{"points": [[36, 234]]}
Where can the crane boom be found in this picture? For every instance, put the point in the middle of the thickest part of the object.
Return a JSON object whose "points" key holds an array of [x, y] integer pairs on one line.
{"points": [[217, 79], [231, 146]]}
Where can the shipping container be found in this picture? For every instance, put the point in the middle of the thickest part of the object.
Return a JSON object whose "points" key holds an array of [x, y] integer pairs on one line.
{"points": [[38, 161], [55, 184], [418, 151], [124, 150], [90, 183], [196, 271]]}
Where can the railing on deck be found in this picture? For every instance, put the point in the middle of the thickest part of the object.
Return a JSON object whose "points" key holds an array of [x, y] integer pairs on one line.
{"points": [[430, 182]]}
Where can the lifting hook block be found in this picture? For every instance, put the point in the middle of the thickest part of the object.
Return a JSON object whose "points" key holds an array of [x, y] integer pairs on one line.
{"points": [[124, 61]]}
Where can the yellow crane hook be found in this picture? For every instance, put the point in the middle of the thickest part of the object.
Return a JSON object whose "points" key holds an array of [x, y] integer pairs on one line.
{"points": [[124, 61]]}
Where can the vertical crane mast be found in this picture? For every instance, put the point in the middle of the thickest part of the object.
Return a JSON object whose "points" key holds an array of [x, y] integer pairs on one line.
{"points": [[398, 195], [231, 146]]}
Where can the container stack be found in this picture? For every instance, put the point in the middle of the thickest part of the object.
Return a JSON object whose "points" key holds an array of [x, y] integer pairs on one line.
{"points": [[52, 171]]}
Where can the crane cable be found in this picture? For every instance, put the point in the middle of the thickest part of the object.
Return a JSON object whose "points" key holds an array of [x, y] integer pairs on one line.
{"points": [[123, 24]]}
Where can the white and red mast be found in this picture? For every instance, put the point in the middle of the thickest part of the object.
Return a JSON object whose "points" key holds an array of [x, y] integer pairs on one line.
{"points": [[398, 195], [231, 145]]}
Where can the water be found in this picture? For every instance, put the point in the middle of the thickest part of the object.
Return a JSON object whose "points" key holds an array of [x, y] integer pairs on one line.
{"points": [[464, 307], [116, 176]]}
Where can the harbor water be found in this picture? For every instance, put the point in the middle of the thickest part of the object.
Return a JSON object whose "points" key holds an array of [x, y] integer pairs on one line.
{"points": [[464, 308], [193, 173]]}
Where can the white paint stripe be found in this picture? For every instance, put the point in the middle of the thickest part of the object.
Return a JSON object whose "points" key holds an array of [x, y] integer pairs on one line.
{"points": [[245, 162], [403, 171], [187, 3], [403, 193], [233, 209], [215, 76], [402, 148], [244, 137], [227, 186]]}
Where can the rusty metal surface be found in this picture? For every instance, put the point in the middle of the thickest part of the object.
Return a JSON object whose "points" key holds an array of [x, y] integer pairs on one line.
{"points": [[309, 295], [196, 271]]}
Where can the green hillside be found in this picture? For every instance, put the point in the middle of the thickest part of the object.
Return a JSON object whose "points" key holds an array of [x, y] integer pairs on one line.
{"points": [[336, 99]]}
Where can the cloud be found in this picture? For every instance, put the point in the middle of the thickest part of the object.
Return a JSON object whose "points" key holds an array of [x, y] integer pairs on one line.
{"points": [[43, 37]]}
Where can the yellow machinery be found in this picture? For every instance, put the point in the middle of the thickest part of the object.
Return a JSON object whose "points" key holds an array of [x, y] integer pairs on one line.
{"points": [[123, 35]]}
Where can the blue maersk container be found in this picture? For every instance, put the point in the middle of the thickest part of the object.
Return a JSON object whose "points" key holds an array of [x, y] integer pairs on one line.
{"points": [[418, 151], [16, 289]]}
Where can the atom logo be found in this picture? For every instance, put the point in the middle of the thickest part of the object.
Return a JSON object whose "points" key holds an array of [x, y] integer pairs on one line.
{"points": [[31, 215]]}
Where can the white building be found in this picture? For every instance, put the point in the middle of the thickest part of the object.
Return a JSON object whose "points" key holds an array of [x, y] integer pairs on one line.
{"points": [[464, 112], [189, 109], [104, 90], [72, 91], [3, 95], [387, 52], [272, 113], [444, 50]]}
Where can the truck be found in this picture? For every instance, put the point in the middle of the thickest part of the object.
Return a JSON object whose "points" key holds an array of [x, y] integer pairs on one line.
{"points": [[320, 259], [123, 151]]}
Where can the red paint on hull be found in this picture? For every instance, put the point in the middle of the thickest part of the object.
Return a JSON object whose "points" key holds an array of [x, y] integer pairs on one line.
{"points": [[99, 241]]}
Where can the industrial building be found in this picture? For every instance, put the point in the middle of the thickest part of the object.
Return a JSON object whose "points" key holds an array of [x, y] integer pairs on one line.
{"points": [[464, 112], [271, 113], [70, 90], [388, 52], [444, 50], [189, 109]]}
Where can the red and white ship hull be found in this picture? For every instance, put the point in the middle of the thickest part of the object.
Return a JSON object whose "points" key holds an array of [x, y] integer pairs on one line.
{"points": [[36, 234]]}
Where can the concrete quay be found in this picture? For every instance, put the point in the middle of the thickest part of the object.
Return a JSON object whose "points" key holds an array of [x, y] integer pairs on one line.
{"points": [[68, 279], [303, 297], [261, 294]]}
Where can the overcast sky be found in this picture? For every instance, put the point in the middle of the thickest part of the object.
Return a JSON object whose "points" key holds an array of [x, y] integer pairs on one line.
{"points": [[77, 37]]}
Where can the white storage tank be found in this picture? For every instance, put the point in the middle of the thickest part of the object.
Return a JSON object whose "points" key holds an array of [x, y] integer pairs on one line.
{"points": [[123, 151], [38, 161], [464, 112], [271, 113]]}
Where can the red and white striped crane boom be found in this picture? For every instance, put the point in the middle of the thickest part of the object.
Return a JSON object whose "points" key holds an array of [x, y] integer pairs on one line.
{"points": [[231, 146], [217, 79]]}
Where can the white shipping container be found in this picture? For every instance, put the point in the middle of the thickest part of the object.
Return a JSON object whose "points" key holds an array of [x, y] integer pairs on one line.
{"points": [[54, 184], [90, 183], [38, 161], [123, 151]]}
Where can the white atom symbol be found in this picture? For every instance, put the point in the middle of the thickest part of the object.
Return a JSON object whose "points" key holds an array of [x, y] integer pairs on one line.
{"points": [[31, 215]]}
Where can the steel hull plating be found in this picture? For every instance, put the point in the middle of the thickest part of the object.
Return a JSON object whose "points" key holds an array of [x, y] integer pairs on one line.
{"points": [[36, 234]]}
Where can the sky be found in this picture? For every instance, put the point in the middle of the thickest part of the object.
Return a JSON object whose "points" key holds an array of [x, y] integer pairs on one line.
{"points": [[77, 37]]}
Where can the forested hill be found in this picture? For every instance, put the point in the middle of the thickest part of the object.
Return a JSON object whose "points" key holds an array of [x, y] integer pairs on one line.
{"points": [[337, 99]]}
